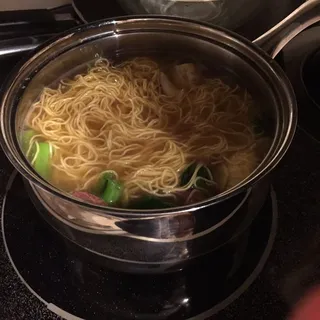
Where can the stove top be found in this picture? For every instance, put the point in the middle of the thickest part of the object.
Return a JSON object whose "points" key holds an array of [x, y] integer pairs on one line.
{"points": [[302, 66], [31, 289]]}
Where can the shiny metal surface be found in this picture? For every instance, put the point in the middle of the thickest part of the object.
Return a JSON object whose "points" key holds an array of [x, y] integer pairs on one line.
{"points": [[167, 235], [144, 250], [174, 228], [277, 37], [21, 45]]}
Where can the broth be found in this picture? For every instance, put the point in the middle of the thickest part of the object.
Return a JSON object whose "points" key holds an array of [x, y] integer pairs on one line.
{"points": [[144, 133]]}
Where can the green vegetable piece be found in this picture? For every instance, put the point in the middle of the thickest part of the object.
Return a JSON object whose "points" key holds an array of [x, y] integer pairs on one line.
{"points": [[202, 184], [150, 202], [32, 152], [112, 192], [102, 183], [41, 163], [25, 140], [203, 173], [188, 172]]}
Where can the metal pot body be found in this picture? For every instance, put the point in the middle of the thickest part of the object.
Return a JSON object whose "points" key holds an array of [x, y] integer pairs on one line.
{"points": [[136, 254]]}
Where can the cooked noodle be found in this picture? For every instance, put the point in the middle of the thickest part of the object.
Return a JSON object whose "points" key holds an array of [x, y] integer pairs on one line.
{"points": [[118, 119]]}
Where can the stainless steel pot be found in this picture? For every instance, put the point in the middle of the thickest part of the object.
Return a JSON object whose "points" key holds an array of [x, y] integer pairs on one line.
{"points": [[168, 237]]}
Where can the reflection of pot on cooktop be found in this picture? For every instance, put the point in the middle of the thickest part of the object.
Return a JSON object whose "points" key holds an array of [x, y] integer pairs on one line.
{"points": [[310, 72], [302, 65]]}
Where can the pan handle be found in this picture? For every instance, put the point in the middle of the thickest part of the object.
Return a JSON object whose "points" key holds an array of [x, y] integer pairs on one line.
{"points": [[21, 45], [275, 39]]}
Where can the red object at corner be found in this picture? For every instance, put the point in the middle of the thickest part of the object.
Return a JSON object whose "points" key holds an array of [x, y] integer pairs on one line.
{"points": [[308, 308]]}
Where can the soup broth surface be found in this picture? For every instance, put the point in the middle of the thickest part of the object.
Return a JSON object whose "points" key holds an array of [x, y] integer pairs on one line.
{"points": [[144, 133]]}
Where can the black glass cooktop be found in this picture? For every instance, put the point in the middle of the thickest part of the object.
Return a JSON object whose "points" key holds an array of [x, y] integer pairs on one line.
{"points": [[302, 58], [65, 284]]}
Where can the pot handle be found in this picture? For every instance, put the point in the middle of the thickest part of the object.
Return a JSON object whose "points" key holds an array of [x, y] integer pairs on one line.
{"points": [[275, 39], [11, 47]]}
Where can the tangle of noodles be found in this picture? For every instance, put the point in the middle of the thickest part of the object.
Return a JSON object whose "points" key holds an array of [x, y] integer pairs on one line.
{"points": [[119, 119]]}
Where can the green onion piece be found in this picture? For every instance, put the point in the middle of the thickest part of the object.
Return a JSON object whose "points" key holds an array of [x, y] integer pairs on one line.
{"points": [[149, 202], [188, 173], [41, 160], [102, 183], [203, 184], [25, 141], [112, 192]]}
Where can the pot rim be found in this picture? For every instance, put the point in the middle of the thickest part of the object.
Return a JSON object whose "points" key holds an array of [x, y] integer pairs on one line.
{"points": [[269, 162]]}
